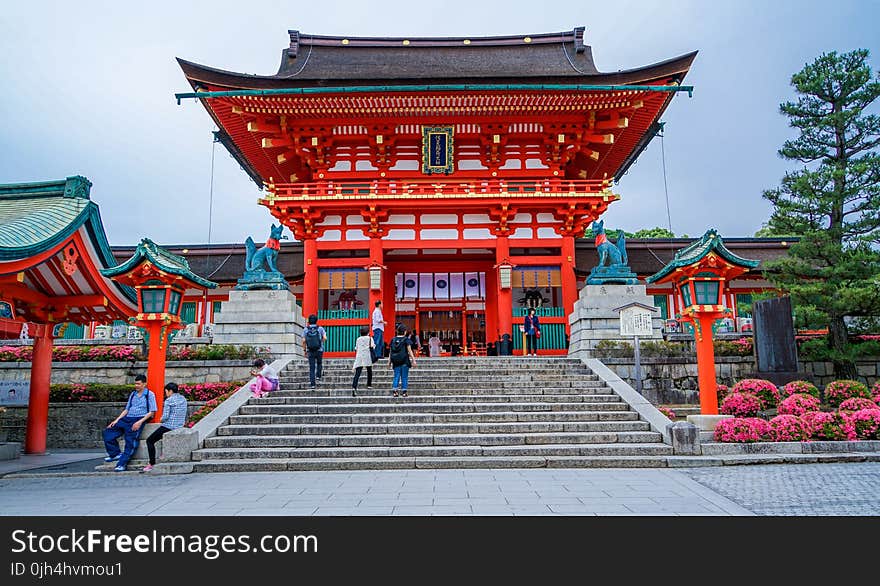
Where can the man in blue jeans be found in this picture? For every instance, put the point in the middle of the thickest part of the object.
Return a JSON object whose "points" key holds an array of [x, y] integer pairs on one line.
{"points": [[314, 337], [378, 331], [139, 409]]}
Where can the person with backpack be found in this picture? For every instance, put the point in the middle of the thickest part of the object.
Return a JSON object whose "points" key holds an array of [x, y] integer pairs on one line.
{"points": [[401, 358], [139, 409], [532, 328], [363, 347], [314, 337]]}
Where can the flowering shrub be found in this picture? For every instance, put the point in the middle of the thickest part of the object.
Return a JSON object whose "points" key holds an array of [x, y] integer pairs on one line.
{"points": [[789, 428], [840, 390], [741, 405], [741, 430], [98, 392], [857, 404], [723, 391], [207, 391], [798, 404], [763, 389], [669, 413], [74, 354], [740, 347], [218, 352], [107, 353], [875, 392], [866, 423], [207, 408], [828, 426], [800, 387]]}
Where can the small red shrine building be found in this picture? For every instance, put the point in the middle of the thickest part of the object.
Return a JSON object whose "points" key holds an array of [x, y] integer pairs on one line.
{"points": [[448, 177]]}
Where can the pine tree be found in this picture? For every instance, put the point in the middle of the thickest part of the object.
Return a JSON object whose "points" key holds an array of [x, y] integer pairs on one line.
{"points": [[833, 202]]}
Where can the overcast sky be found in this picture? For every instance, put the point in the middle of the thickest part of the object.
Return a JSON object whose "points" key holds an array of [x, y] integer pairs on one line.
{"points": [[88, 88]]}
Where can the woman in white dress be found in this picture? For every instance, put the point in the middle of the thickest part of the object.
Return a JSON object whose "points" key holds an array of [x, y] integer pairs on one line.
{"points": [[434, 345], [363, 358]]}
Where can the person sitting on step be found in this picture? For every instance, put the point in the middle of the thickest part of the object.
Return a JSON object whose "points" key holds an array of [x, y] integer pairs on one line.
{"points": [[173, 417], [266, 378]]}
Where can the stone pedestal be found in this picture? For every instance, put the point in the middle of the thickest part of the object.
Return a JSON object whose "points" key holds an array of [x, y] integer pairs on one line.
{"points": [[594, 318], [261, 318]]}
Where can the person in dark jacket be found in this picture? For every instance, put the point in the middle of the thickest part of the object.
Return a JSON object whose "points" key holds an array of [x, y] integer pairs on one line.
{"points": [[533, 330]]}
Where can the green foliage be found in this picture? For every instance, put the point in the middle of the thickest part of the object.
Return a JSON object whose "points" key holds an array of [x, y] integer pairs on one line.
{"points": [[831, 203], [654, 233]]}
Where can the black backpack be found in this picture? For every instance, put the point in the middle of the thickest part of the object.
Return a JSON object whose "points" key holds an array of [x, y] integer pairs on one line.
{"points": [[313, 338], [398, 355]]}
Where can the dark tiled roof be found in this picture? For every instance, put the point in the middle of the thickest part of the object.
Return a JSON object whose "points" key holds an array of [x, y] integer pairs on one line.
{"points": [[547, 57]]}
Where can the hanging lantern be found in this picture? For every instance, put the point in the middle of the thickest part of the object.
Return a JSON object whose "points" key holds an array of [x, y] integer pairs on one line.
{"points": [[375, 277], [505, 275]]}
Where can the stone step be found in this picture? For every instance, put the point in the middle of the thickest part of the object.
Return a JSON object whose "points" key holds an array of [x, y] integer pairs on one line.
{"points": [[444, 393], [499, 417], [416, 396], [403, 440], [596, 449], [613, 404], [481, 462], [410, 428]]}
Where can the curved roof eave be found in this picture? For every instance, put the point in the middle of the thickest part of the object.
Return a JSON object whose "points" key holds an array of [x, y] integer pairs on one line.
{"points": [[201, 74]]}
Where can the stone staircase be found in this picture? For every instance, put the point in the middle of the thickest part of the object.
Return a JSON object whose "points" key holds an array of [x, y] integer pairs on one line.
{"points": [[495, 412]]}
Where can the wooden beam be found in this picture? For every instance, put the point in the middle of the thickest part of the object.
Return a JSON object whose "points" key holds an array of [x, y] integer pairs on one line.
{"points": [[599, 138], [269, 143], [619, 122], [254, 126]]}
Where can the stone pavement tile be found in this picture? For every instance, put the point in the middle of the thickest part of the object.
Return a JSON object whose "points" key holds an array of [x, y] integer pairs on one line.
{"points": [[588, 509], [469, 502], [281, 511], [353, 511], [429, 510]]}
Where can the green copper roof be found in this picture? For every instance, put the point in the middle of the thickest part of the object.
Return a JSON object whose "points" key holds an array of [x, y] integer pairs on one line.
{"points": [[37, 217], [148, 250], [695, 251]]}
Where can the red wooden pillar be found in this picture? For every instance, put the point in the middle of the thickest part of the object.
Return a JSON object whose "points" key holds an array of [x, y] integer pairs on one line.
{"points": [[310, 278], [376, 257], [156, 365], [388, 309], [505, 296], [568, 279], [491, 312], [38, 403], [706, 366]]}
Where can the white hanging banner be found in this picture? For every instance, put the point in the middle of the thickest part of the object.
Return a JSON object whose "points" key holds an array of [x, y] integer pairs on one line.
{"points": [[441, 286], [456, 285], [472, 284], [410, 285]]}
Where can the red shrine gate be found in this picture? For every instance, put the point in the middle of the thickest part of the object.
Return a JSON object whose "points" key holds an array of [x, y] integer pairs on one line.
{"points": [[438, 162]]}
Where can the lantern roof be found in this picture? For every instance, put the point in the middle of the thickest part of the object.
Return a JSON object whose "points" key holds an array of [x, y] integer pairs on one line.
{"points": [[695, 252], [167, 262]]}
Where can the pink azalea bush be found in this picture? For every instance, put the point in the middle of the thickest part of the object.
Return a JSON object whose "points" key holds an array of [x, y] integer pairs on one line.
{"points": [[741, 405], [669, 413], [741, 430], [875, 392], [866, 423], [840, 390], [723, 391], [207, 391], [798, 404], [763, 389], [800, 387], [857, 404], [789, 428], [74, 354], [207, 408], [829, 426]]}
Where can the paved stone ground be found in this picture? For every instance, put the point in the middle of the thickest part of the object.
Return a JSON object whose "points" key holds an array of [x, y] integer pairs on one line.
{"points": [[800, 490], [793, 489]]}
